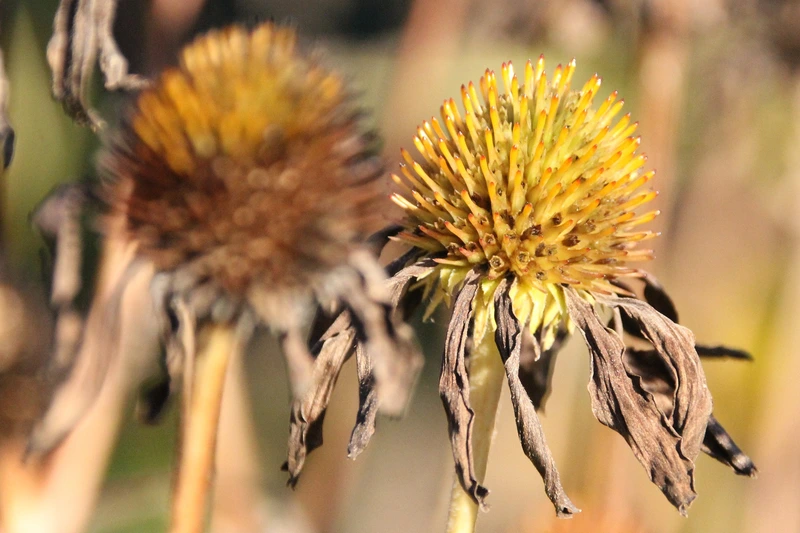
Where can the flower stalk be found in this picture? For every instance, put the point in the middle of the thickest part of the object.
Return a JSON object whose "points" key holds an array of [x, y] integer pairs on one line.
{"points": [[486, 381], [201, 410]]}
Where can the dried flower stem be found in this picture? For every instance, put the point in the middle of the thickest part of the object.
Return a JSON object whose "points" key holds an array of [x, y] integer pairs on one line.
{"points": [[201, 410], [486, 376]]}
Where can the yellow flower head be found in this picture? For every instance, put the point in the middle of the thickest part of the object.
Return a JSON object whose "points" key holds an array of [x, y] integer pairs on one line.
{"points": [[532, 182]]}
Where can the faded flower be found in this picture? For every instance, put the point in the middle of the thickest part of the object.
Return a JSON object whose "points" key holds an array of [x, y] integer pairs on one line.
{"points": [[242, 179], [524, 212]]}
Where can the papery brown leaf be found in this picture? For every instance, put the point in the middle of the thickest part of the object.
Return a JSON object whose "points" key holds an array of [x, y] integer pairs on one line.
{"points": [[454, 387], [508, 337], [620, 402]]}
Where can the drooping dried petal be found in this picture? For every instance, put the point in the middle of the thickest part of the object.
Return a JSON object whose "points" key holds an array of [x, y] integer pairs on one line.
{"points": [[536, 369], [58, 219], [454, 387], [178, 324], [675, 345], [367, 404], [98, 349], [722, 351], [299, 361], [308, 412], [656, 379], [82, 28], [153, 399], [389, 340], [620, 402], [508, 337], [719, 445], [334, 347], [656, 297]]}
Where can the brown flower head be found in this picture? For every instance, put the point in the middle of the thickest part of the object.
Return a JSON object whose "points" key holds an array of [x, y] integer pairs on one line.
{"points": [[245, 169], [243, 179], [524, 211]]}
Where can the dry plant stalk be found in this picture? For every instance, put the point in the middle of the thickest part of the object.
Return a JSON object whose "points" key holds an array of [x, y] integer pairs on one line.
{"points": [[486, 375], [200, 421]]}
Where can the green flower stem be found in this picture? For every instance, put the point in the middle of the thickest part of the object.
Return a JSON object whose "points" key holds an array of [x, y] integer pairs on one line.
{"points": [[486, 376]]}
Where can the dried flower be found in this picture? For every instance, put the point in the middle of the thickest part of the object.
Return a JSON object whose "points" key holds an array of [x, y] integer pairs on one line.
{"points": [[524, 212], [243, 180]]}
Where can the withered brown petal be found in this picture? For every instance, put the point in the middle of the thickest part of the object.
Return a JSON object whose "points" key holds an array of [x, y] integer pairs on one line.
{"points": [[323, 320], [367, 404], [536, 369], [99, 347], [397, 360], [454, 387], [380, 238], [655, 379], [654, 375], [153, 399], [719, 445], [657, 297], [344, 335], [299, 361], [508, 337], [308, 412], [675, 345], [82, 29], [620, 402], [722, 351], [58, 219]]}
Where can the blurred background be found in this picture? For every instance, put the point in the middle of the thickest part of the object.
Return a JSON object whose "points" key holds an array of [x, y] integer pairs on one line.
{"points": [[715, 86]]}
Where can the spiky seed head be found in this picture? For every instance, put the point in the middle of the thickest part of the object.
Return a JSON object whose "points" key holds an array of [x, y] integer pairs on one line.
{"points": [[532, 182], [245, 163]]}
